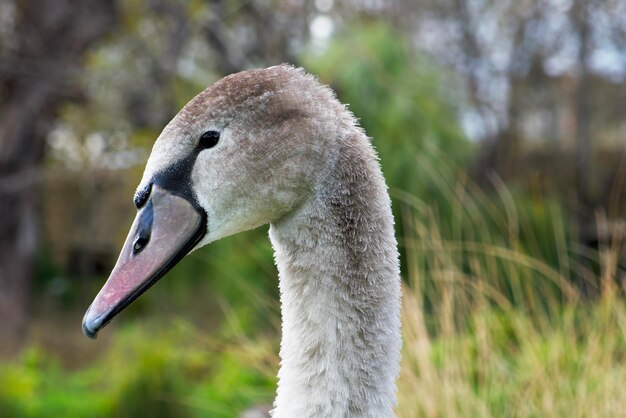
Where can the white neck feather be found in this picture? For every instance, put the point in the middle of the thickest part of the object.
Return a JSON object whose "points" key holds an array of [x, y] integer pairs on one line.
{"points": [[340, 294]]}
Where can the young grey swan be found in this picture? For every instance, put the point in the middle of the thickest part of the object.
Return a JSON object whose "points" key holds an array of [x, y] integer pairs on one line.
{"points": [[274, 146]]}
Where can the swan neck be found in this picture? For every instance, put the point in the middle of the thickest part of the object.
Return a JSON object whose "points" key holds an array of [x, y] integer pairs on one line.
{"points": [[340, 294]]}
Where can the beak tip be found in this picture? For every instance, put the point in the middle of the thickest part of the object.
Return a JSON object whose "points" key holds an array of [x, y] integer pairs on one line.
{"points": [[89, 330]]}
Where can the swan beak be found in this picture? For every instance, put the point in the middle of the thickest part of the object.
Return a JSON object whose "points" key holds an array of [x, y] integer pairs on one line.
{"points": [[167, 227]]}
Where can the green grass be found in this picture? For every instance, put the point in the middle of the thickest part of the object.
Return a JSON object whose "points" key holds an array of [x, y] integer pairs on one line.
{"points": [[168, 373]]}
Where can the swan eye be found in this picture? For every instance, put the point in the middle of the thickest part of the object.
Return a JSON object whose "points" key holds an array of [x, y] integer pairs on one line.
{"points": [[209, 139]]}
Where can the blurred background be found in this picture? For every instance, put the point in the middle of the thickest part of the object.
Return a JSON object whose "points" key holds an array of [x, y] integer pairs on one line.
{"points": [[501, 127]]}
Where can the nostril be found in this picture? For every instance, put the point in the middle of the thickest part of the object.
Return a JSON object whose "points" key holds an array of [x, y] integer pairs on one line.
{"points": [[139, 244]]}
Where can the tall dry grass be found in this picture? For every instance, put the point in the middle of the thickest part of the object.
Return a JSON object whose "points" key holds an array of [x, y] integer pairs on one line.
{"points": [[492, 325]]}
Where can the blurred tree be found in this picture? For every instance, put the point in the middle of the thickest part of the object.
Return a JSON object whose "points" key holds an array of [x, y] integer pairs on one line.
{"points": [[519, 61], [243, 34], [39, 62]]}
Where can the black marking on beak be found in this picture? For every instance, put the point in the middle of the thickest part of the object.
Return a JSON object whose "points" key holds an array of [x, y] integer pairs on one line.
{"points": [[144, 229], [142, 195]]}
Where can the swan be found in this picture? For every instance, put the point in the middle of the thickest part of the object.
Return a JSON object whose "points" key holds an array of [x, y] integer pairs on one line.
{"points": [[275, 146]]}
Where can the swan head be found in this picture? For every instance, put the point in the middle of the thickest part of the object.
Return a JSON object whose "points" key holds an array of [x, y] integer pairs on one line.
{"points": [[245, 152]]}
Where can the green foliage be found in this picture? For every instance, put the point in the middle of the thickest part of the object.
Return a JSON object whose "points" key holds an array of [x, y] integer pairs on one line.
{"points": [[171, 373], [403, 101]]}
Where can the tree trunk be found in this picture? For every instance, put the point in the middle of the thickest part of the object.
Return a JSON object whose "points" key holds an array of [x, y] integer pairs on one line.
{"points": [[584, 211], [20, 155], [37, 75], [583, 118]]}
